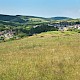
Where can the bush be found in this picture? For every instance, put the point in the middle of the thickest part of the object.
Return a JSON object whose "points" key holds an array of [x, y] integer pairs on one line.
{"points": [[21, 35], [78, 31]]}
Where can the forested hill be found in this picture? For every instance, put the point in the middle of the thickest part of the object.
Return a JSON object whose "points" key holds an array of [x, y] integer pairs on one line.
{"points": [[20, 18], [24, 19], [61, 18]]}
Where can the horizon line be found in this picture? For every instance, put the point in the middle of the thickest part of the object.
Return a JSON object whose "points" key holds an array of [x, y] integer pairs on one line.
{"points": [[36, 15]]}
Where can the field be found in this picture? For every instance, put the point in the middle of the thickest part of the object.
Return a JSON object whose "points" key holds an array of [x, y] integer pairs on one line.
{"points": [[46, 56]]}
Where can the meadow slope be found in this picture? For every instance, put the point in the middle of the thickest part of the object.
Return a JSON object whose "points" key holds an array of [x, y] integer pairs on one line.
{"points": [[46, 56]]}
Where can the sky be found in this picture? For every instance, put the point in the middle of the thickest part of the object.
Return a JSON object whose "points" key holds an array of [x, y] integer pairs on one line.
{"points": [[41, 8]]}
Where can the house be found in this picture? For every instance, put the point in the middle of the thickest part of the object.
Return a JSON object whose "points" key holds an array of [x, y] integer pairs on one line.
{"points": [[63, 28], [79, 27], [50, 25], [70, 26], [1, 34], [9, 34], [36, 26]]}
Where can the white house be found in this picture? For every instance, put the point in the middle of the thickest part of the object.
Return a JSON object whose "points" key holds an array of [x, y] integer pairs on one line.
{"points": [[36, 26], [63, 28]]}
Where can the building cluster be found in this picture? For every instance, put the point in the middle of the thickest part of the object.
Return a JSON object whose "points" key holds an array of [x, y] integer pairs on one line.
{"points": [[62, 27], [7, 34]]}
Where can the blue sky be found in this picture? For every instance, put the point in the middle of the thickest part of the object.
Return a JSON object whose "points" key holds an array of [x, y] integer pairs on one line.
{"points": [[43, 8]]}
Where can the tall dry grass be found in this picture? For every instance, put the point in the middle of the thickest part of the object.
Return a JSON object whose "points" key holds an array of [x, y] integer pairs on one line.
{"points": [[55, 56]]}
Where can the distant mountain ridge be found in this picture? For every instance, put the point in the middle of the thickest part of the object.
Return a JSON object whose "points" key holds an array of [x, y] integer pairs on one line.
{"points": [[17, 18], [24, 19], [60, 18]]}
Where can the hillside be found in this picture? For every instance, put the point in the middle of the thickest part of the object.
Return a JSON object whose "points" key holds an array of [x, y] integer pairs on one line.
{"points": [[26, 19], [61, 18], [20, 18], [46, 56]]}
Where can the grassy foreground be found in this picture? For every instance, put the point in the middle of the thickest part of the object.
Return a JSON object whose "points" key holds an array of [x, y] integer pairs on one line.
{"points": [[47, 56]]}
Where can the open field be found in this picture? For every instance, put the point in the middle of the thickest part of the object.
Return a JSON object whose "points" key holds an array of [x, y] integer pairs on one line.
{"points": [[46, 56]]}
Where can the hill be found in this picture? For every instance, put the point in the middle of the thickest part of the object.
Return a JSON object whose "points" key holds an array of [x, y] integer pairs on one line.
{"points": [[20, 18], [47, 56], [27, 19], [61, 18]]}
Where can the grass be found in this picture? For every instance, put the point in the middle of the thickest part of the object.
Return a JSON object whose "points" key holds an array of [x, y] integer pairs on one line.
{"points": [[46, 56]]}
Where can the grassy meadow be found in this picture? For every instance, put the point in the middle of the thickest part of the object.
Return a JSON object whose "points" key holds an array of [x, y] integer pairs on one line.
{"points": [[47, 56]]}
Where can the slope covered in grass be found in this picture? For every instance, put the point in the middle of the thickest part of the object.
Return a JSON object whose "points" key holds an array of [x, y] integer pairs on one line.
{"points": [[46, 56]]}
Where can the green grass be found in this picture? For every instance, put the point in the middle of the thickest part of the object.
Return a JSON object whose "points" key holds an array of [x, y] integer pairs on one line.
{"points": [[46, 56]]}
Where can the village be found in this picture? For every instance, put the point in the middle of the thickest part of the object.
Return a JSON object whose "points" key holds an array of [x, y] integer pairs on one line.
{"points": [[9, 34], [6, 34], [62, 27]]}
